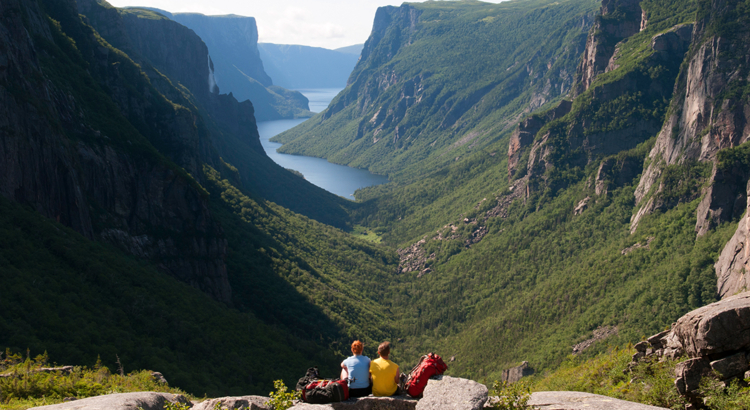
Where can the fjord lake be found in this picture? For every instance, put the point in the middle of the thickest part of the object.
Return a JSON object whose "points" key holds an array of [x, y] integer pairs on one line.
{"points": [[338, 179]]}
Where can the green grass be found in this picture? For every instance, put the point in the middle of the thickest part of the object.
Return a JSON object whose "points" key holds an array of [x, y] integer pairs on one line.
{"points": [[362, 232], [609, 374]]}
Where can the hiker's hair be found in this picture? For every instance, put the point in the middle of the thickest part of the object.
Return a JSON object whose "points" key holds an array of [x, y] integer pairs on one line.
{"points": [[357, 347], [384, 349]]}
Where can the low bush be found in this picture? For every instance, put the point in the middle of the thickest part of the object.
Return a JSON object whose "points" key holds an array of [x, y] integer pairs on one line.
{"points": [[24, 384]]}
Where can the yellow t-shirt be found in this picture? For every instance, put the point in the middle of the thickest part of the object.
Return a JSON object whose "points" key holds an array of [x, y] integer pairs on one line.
{"points": [[383, 377]]}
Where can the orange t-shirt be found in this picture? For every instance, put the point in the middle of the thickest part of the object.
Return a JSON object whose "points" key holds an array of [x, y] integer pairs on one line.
{"points": [[383, 377]]}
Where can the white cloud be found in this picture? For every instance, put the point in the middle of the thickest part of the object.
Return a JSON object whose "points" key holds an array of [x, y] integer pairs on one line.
{"points": [[294, 26]]}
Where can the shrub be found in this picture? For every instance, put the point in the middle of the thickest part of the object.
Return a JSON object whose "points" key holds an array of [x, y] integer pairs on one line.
{"points": [[511, 396], [281, 399]]}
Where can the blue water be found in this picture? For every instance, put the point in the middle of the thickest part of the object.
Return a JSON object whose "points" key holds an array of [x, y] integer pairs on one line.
{"points": [[319, 98], [338, 179]]}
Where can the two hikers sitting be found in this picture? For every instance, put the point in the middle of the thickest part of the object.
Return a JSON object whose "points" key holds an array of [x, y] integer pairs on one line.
{"points": [[379, 377]]}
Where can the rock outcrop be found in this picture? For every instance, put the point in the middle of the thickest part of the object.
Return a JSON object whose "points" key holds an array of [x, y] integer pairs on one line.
{"points": [[603, 37], [571, 400], [616, 172], [364, 403], [715, 338], [121, 401], [515, 374], [238, 403], [524, 135], [599, 334], [732, 266]]}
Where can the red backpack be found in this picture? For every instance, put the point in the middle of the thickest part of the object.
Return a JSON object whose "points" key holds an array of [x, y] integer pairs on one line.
{"points": [[429, 365], [325, 391]]}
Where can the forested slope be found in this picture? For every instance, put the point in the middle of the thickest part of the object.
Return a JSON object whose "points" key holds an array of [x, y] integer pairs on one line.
{"points": [[437, 81], [590, 221], [120, 237], [150, 40]]}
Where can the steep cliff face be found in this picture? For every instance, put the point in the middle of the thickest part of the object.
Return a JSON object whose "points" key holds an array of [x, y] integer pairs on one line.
{"points": [[709, 113], [524, 135], [75, 156], [172, 48], [233, 41], [436, 82], [617, 20], [625, 79], [393, 28], [733, 264], [224, 128]]}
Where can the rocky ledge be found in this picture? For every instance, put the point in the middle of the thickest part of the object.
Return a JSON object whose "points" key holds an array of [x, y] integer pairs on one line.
{"points": [[716, 340], [121, 401], [573, 400], [442, 392]]}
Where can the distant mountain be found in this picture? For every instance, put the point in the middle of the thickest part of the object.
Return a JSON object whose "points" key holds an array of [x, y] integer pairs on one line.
{"points": [[355, 49], [300, 67], [232, 43]]}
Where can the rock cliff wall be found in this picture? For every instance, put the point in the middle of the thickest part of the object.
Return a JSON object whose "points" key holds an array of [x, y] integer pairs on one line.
{"points": [[75, 156], [708, 114], [617, 20], [233, 42], [174, 49], [734, 262], [615, 108]]}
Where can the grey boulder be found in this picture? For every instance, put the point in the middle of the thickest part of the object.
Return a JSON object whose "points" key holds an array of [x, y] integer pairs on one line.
{"points": [[714, 330], [121, 401], [232, 403], [445, 392], [572, 400], [732, 366]]}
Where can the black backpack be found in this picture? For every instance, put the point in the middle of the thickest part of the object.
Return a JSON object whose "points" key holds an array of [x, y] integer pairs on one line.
{"points": [[309, 377], [320, 391], [325, 391]]}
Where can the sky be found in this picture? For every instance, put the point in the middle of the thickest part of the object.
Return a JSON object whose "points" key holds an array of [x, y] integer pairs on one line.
{"points": [[319, 23]]}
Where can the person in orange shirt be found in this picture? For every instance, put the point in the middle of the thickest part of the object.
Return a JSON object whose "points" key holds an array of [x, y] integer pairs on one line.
{"points": [[385, 374]]}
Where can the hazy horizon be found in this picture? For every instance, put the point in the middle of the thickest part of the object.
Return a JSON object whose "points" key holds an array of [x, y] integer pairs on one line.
{"points": [[328, 24]]}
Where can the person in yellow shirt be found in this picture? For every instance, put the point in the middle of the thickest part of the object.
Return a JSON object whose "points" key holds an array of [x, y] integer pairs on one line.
{"points": [[385, 374]]}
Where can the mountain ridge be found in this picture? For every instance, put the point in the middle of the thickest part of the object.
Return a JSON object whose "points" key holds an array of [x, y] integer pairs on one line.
{"points": [[304, 67]]}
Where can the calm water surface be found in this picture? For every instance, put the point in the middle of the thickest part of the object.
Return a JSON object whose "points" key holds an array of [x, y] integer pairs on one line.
{"points": [[338, 179]]}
